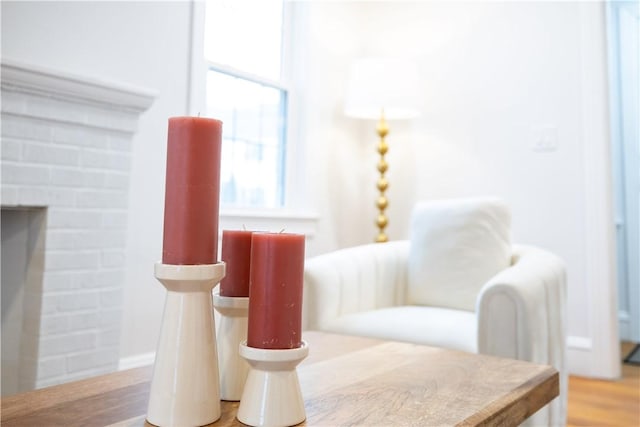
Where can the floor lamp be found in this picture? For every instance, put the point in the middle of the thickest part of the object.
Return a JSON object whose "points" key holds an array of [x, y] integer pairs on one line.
{"points": [[382, 89]]}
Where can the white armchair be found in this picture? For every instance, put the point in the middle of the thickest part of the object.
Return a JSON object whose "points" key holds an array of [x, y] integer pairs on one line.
{"points": [[457, 283]]}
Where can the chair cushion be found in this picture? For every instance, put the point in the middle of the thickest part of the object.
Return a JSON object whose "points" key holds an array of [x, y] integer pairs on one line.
{"points": [[456, 247], [439, 327]]}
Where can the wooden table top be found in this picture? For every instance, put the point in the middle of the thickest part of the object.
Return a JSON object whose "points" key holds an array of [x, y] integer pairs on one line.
{"points": [[345, 381]]}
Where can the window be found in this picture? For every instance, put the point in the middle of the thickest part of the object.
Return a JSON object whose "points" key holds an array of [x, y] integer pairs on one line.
{"points": [[246, 89]]}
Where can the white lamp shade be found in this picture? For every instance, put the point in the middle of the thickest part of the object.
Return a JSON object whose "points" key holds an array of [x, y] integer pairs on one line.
{"points": [[377, 84]]}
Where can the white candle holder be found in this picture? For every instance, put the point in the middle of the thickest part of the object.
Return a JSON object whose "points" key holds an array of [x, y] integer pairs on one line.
{"points": [[272, 395], [231, 332], [185, 389]]}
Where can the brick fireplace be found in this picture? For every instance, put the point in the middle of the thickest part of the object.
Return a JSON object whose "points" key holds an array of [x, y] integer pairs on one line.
{"points": [[66, 144]]}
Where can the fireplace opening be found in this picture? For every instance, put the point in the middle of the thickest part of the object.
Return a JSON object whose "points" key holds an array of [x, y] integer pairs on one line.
{"points": [[23, 237]]}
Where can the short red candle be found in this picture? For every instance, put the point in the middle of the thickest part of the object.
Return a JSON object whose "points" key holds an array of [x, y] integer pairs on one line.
{"points": [[191, 203], [275, 297], [236, 253]]}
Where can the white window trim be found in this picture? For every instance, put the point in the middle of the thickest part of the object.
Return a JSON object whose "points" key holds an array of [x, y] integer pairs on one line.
{"points": [[234, 72], [270, 220], [295, 216]]}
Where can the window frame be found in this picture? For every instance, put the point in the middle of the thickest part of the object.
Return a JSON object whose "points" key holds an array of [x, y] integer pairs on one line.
{"points": [[294, 210], [281, 86]]}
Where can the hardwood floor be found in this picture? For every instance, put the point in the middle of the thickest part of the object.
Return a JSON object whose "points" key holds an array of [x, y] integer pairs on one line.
{"points": [[606, 403]]}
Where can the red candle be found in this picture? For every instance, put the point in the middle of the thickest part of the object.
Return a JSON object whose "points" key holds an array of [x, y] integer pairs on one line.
{"points": [[236, 253], [192, 191], [275, 298]]}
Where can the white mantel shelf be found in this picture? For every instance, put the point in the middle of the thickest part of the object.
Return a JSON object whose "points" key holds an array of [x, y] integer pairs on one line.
{"points": [[38, 80]]}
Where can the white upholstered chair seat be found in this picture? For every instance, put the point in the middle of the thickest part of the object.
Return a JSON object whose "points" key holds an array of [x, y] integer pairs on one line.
{"points": [[433, 326]]}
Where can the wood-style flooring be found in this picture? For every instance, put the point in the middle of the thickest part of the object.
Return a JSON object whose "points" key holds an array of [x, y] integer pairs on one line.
{"points": [[604, 402]]}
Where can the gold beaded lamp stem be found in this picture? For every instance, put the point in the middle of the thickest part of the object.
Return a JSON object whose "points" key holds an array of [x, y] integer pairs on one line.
{"points": [[382, 184]]}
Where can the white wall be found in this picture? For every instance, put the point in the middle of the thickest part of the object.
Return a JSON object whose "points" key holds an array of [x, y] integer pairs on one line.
{"points": [[496, 74], [337, 159]]}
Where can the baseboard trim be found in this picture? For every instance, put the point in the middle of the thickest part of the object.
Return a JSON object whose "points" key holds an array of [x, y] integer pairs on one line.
{"points": [[579, 343], [579, 356], [136, 361]]}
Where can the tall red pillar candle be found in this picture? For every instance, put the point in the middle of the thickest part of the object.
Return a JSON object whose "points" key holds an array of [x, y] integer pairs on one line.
{"points": [[236, 253], [275, 295], [191, 203]]}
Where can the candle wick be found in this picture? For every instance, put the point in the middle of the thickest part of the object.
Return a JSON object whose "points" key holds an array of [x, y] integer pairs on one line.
{"points": [[282, 231], [198, 113], [244, 228]]}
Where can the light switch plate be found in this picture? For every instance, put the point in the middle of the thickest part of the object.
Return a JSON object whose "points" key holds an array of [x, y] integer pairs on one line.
{"points": [[544, 138]]}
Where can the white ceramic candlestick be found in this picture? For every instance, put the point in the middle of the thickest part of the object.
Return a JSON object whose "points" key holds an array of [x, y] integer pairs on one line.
{"points": [[185, 389], [272, 395], [231, 332]]}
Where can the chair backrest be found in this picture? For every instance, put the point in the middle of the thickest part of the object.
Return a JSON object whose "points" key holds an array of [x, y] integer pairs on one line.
{"points": [[456, 246]]}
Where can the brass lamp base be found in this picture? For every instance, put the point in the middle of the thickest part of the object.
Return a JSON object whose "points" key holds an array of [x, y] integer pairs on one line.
{"points": [[382, 183]]}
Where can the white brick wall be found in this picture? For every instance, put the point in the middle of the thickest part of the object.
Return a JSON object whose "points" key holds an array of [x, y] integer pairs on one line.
{"points": [[66, 146]]}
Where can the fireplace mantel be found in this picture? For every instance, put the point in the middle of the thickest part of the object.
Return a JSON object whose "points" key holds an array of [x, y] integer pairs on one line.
{"points": [[66, 147], [45, 82]]}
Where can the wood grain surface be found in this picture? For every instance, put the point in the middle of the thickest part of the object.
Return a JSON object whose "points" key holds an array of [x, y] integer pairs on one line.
{"points": [[345, 381]]}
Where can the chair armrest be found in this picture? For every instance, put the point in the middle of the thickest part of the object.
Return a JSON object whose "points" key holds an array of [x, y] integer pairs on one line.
{"points": [[352, 280], [521, 305], [522, 315]]}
